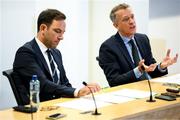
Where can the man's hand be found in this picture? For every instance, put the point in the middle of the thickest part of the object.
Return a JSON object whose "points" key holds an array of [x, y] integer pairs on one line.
{"points": [[86, 90], [167, 61], [142, 67]]}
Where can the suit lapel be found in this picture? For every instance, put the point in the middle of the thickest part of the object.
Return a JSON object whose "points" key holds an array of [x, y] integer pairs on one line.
{"points": [[139, 44], [40, 56], [123, 49]]}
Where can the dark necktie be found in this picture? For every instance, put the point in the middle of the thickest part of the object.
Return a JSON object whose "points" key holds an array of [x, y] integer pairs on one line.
{"points": [[54, 72], [136, 58], [135, 53]]}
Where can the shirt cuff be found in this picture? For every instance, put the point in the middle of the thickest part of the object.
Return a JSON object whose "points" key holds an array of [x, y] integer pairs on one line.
{"points": [[76, 92], [161, 70], [137, 72]]}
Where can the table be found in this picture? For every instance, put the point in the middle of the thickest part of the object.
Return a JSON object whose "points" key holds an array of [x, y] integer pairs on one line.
{"points": [[133, 110]]}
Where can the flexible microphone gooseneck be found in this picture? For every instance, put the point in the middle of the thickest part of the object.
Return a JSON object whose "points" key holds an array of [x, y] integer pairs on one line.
{"points": [[148, 79], [96, 110]]}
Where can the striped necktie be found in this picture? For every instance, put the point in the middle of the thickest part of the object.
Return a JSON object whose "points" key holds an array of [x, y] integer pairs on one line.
{"points": [[53, 69]]}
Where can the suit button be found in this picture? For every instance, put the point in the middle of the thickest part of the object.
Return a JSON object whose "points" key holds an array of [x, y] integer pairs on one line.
{"points": [[54, 96]]}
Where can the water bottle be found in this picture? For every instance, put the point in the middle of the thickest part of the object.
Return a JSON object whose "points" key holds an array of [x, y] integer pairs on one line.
{"points": [[34, 92]]}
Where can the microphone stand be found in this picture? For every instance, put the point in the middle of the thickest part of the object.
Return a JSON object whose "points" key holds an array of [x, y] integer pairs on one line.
{"points": [[150, 97], [96, 110]]}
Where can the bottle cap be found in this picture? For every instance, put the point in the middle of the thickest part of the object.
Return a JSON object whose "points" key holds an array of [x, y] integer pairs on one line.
{"points": [[34, 77]]}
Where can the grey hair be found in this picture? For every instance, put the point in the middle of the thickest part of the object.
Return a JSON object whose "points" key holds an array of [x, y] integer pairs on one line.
{"points": [[115, 9]]}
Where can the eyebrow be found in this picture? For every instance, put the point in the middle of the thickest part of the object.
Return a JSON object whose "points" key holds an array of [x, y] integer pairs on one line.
{"points": [[58, 30]]}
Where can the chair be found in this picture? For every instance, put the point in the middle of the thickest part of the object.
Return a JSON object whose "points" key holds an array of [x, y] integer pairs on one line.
{"points": [[8, 73], [97, 58]]}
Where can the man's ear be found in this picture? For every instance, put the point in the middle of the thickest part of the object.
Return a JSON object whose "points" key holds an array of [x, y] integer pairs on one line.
{"points": [[115, 25], [43, 27]]}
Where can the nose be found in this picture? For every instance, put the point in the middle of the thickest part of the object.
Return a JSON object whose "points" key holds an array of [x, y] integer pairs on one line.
{"points": [[131, 20], [60, 37]]}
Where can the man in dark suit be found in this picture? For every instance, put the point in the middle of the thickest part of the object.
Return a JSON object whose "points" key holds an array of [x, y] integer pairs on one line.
{"points": [[126, 55], [39, 55]]}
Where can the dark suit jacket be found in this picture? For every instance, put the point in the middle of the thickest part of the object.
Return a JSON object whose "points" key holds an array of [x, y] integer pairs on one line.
{"points": [[29, 60], [116, 62]]}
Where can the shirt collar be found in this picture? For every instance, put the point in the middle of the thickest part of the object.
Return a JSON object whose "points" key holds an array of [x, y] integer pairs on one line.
{"points": [[42, 47], [126, 39]]}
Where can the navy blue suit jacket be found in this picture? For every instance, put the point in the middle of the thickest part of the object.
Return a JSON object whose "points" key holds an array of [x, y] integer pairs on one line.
{"points": [[29, 60], [116, 62]]}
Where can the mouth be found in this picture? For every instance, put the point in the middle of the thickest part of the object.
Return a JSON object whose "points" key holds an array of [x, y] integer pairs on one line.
{"points": [[133, 27], [56, 42]]}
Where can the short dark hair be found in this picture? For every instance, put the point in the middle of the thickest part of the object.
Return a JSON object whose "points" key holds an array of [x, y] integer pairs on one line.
{"points": [[48, 15], [115, 9]]}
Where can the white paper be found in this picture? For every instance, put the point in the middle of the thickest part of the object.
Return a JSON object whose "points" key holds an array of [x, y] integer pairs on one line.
{"points": [[86, 103], [83, 104], [111, 98], [132, 93], [171, 79]]}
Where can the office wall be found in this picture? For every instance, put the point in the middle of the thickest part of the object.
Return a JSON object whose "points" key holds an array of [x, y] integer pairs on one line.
{"points": [[164, 25], [17, 19], [101, 28]]}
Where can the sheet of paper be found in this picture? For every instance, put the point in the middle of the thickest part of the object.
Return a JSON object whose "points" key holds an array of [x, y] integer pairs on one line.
{"points": [[83, 104], [132, 93], [111, 98], [170, 79], [86, 103]]}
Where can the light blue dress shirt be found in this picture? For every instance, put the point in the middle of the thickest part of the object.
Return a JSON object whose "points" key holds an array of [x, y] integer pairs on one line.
{"points": [[129, 48]]}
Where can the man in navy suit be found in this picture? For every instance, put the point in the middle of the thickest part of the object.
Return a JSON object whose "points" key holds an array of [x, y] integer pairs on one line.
{"points": [[32, 58], [116, 57]]}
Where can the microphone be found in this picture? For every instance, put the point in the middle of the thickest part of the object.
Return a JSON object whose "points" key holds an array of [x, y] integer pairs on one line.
{"points": [[148, 79], [96, 111]]}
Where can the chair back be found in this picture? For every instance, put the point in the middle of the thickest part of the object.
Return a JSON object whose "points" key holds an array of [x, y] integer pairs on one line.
{"points": [[8, 73], [97, 58]]}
